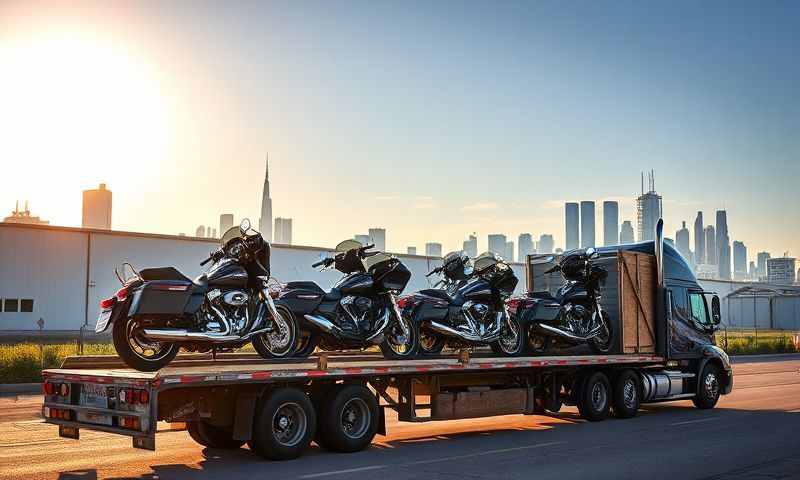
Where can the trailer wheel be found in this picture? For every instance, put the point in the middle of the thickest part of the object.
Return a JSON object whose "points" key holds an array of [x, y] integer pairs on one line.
{"points": [[348, 419], [284, 424], [593, 397], [708, 388], [212, 436], [627, 394]]}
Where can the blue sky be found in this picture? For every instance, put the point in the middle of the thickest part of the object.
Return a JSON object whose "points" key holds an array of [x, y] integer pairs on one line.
{"points": [[437, 119]]}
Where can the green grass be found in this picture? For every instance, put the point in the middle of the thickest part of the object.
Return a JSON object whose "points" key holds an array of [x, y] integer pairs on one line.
{"points": [[23, 362], [750, 342]]}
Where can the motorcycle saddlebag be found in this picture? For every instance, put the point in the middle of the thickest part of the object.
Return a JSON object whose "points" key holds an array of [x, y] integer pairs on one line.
{"points": [[161, 298]]}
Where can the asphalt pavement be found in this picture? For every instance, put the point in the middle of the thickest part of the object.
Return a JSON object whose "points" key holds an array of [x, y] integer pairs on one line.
{"points": [[753, 433]]}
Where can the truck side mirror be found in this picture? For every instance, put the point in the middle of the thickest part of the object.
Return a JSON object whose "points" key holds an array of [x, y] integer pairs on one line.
{"points": [[716, 318]]}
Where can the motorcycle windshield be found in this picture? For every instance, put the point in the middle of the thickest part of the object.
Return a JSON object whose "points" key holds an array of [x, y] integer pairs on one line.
{"points": [[370, 262], [347, 245], [486, 261], [229, 235]]}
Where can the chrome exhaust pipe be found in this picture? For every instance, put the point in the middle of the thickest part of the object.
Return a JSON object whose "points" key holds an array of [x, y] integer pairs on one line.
{"points": [[179, 335], [324, 324], [562, 333], [452, 332]]}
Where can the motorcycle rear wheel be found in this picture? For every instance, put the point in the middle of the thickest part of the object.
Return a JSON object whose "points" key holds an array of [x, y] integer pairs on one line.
{"points": [[603, 343], [133, 349], [430, 343]]}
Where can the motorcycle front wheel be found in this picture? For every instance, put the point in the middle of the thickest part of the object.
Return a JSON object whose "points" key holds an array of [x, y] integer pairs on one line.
{"points": [[512, 340], [282, 340], [397, 346], [604, 340], [138, 352]]}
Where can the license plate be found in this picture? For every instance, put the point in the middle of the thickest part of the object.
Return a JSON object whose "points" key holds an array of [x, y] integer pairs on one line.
{"points": [[96, 418], [102, 320], [94, 395]]}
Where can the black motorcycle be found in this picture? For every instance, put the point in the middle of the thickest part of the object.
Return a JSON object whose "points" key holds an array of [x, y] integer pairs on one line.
{"points": [[359, 311], [574, 315], [159, 310], [468, 308]]}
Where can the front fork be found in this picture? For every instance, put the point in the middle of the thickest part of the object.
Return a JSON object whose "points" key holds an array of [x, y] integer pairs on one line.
{"points": [[399, 316]]}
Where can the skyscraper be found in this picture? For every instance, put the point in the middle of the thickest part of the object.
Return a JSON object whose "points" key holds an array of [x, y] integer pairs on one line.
{"points": [[723, 246], [682, 243], [411, 250], [200, 232], [711, 245], [761, 265], [97, 208], [208, 232], [626, 233], [497, 244], [546, 243], [739, 261], [780, 271], [572, 217], [699, 240], [378, 237], [362, 239], [509, 255], [610, 223], [225, 223], [471, 246], [283, 231], [524, 246], [265, 221], [433, 249], [587, 224], [648, 210]]}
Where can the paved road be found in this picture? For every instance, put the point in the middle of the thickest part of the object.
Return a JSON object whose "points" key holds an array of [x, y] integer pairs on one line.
{"points": [[754, 432]]}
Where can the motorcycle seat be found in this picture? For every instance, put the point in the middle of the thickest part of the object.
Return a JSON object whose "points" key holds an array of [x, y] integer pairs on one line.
{"points": [[200, 283], [437, 293], [162, 273], [305, 285]]}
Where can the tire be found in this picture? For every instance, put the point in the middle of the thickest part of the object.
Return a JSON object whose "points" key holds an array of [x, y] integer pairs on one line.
{"points": [[594, 397], [282, 341], [212, 436], [307, 342], [512, 345], [708, 387], [126, 340], [430, 343], [627, 395], [284, 424], [348, 419], [394, 350], [603, 344], [546, 400]]}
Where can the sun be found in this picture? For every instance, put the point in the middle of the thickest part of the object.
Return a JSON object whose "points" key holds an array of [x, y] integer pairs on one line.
{"points": [[77, 109]]}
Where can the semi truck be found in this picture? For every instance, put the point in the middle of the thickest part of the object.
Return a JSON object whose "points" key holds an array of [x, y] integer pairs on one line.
{"points": [[664, 351]]}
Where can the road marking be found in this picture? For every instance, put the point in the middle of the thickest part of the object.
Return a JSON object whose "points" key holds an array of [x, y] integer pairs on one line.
{"points": [[434, 460], [342, 472], [693, 421]]}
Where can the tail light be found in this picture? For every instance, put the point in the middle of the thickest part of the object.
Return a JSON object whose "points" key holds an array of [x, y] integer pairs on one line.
{"points": [[108, 303], [58, 413], [60, 389], [132, 397], [144, 396], [403, 302], [130, 422], [122, 293], [513, 304], [49, 388], [63, 390]]}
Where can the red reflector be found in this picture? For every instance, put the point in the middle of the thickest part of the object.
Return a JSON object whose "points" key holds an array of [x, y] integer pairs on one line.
{"points": [[108, 303], [402, 302], [122, 293], [49, 389], [63, 389], [144, 396]]}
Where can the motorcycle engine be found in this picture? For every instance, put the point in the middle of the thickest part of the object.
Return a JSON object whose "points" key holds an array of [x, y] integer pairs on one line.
{"points": [[578, 319], [359, 311], [234, 305]]}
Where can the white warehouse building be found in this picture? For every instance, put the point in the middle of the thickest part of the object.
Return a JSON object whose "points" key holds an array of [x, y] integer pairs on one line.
{"points": [[60, 274]]}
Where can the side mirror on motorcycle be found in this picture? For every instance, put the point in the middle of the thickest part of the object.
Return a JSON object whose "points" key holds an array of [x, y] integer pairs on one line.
{"points": [[244, 226]]}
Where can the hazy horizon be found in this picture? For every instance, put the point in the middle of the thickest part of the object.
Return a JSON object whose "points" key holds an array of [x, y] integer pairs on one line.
{"points": [[432, 121]]}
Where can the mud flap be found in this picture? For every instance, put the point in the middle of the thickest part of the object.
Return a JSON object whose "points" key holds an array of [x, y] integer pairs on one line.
{"points": [[382, 420], [243, 416], [69, 432], [145, 443]]}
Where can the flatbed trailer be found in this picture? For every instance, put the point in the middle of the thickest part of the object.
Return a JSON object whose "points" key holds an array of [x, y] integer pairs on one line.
{"points": [[338, 400]]}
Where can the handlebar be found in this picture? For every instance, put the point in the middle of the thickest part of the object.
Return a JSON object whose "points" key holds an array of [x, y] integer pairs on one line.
{"points": [[321, 262], [203, 263], [554, 269], [434, 271]]}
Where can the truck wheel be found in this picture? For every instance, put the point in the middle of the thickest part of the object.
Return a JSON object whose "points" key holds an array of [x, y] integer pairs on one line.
{"points": [[708, 387], [593, 397], [349, 419], [430, 343], [138, 352], [281, 342], [212, 436], [284, 424], [627, 394]]}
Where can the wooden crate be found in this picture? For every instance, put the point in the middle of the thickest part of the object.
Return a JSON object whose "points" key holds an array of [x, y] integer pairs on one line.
{"points": [[637, 282]]}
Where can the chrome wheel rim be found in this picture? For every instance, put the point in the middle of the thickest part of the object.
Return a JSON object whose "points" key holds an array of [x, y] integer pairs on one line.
{"points": [[629, 393], [355, 418], [509, 339], [427, 341], [289, 424], [278, 341], [599, 396], [139, 345], [398, 347], [711, 385], [536, 341]]}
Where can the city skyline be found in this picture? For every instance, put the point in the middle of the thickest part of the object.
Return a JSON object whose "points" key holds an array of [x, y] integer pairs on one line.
{"points": [[204, 125]]}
